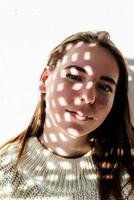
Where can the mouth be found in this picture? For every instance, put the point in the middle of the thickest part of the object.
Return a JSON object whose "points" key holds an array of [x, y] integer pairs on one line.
{"points": [[80, 117]]}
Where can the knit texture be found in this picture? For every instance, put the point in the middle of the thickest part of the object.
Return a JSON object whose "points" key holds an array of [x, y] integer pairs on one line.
{"points": [[44, 175]]}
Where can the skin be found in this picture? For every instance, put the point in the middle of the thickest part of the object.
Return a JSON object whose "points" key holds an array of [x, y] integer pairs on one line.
{"points": [[73, 95]]}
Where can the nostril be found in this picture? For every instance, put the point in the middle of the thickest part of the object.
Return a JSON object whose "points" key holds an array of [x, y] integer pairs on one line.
{"points": [[90, 98]]}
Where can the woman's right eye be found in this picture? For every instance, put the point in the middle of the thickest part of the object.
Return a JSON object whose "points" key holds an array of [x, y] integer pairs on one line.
{"points": [[74, 77]]}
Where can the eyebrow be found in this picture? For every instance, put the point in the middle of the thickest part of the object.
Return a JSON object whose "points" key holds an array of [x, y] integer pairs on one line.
{"points": [[109, 79], [81, 69]]}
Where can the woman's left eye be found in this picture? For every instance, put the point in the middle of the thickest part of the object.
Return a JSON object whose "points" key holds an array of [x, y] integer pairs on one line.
{"points": [[105, 88], [74, 77]]}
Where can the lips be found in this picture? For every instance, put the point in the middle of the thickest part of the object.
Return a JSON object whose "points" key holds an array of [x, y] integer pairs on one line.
{"points": [[79, 117]]}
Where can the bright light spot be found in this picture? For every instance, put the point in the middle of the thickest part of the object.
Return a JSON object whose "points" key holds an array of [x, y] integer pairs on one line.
{"points": [[70, 177], [13, 156], [87, 55], [38, 168], [74, 57], [130, 78], [52, 177], [47, 104], [48, 123], [77, 101], [88, 153], [30, 182], [60, 87], [73, 131], [7, 188], [45, 153], [125, 176], [91, 176], [45, 138], [63, 73], [77, 86], [54, 76], [58, 63], [53, 103], [60, 151], [53, 137], [92, 45], [79, 44], [109, 176], [88, 70], [62, 136], [29, 144], [69, 46], [51, 165], [53, 121], [64, 60], [67, 117], [65, 165], [108, 165], [57, 116], [74, 71], [84, 164], [25, 171], [38, 151], [106, 154], [89, 85], [120, 151], [25, 187], [39, 180], [62, 101]]}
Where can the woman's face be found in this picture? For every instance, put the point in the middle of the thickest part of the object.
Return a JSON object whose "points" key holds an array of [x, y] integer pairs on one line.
{"points": [[81, 90]]}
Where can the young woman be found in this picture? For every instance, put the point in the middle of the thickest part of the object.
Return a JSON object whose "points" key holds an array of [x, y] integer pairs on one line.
{"points": [[79, 144]]}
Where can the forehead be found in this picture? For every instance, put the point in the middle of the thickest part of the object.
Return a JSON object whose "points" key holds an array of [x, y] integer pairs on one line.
{"points": [[88, 56], [85, 52]]}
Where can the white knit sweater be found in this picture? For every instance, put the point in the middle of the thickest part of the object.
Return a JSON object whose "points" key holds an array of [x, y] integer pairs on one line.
{"points": [[44, 175]]}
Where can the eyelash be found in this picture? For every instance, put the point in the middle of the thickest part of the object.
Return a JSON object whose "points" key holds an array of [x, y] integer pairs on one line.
{"points": [[74, 77], [103, 87]]}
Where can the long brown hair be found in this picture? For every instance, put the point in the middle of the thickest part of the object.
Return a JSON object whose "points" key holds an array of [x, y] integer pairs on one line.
{"points": [[113, 140]]}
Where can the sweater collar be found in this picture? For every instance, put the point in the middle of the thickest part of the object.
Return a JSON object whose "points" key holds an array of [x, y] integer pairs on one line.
{"points": [[64, 174]]}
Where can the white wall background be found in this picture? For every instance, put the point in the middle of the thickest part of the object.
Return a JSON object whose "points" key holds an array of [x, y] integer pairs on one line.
{"points": [[29, 29]]}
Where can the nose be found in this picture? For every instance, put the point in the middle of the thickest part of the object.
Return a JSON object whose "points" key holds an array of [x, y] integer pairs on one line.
{"points": [[88, 94]]}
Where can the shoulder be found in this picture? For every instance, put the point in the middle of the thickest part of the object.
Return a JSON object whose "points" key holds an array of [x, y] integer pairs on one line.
{"points": [[8, 154]]}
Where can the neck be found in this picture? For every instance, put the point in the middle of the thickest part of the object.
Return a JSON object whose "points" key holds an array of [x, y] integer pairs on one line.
{"points": [[63, 144]]}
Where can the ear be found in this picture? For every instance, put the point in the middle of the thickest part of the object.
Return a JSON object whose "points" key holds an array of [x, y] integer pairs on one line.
{"points": [[43, 78]]}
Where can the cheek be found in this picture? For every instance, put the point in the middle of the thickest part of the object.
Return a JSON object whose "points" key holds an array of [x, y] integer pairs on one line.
{"points": [[58, 96], [104, 105], [64, 90]]}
